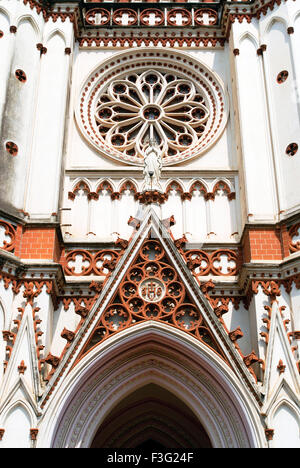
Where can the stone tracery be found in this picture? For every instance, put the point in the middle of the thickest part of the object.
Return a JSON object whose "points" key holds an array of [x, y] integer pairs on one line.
{"points": [[151, 105], [162, 96], [152, 290]]}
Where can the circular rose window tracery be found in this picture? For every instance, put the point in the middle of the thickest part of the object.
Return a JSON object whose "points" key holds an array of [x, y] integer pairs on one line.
{"points": [[164, 96], [151, 105]]}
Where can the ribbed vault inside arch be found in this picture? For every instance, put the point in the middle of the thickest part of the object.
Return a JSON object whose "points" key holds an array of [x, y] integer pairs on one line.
{"points": [[151, 417]]}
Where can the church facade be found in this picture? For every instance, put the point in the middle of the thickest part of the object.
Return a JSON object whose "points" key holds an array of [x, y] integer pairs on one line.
{"points": [[149, 224]]}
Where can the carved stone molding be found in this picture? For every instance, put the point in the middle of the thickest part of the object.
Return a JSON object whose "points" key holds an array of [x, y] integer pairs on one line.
{"points": [[101, 396]]}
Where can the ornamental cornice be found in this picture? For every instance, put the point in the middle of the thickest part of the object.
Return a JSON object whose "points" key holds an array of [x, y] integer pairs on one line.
{"points": [[204, 24], [67, 11], [150, 39], [212, 32]]}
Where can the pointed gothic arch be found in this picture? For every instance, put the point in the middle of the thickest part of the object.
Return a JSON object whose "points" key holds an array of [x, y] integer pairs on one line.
{"points": [[80, 183], [18, 414], [250, 37], [16, 403], [199, 184], [273, 22], [174, 184], [283, 438], [105, 184], [30, 20], [127, 184], [152, 354], [151, 415], [5, 13], [52, 34]]}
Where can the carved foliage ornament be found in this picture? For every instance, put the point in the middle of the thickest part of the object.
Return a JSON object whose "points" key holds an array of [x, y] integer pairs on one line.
{"points": [[163, 96]]}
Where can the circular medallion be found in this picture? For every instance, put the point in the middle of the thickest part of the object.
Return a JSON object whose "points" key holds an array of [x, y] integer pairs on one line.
{"points": [[162, 95], [152, 290]]}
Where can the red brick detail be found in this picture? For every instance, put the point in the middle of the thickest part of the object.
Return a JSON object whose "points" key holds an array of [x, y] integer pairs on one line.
{"points": [[285, 241], [18, 241], [39, 243], [265, 244], [57, 249]]}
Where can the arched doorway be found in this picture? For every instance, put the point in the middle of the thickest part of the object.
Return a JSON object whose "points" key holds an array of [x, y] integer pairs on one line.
{"points": [[151, 417], [146, 361]]}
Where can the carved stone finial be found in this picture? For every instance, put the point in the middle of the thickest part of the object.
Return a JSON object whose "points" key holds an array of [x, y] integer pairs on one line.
{"points": [[134, 222], [273, 291]]}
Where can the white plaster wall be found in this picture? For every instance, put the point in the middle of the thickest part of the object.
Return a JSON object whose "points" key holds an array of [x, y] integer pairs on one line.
{"points": [[62, 319], [80, 215], [256, 147], [295, 306], [221, 223], [2, 342], [284, 111], [19, 111], [201, 220], [196, 217], [126, 207], [239, 318], [5, 52], [43, 186], [173, 207], [81, 156], [17, 418], [286, 428], [295, 38], [101, 224]]}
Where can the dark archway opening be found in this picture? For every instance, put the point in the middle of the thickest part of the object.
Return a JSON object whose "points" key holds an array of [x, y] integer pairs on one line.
{"points": [[151, 418]]}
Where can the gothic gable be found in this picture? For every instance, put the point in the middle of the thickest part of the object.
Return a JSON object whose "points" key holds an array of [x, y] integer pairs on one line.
{"points": [[151, 282]]}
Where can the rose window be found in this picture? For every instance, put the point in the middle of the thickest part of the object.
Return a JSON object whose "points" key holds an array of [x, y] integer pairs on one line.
{"points": [[164, 97], [151, 105]]}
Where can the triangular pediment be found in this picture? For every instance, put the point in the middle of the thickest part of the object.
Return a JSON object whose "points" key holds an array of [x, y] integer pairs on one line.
{"points": [[151, 282], [152, 289]]}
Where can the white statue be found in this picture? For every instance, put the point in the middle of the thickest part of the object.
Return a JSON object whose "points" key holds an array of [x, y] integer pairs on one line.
{"points": [[152, 167]]}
